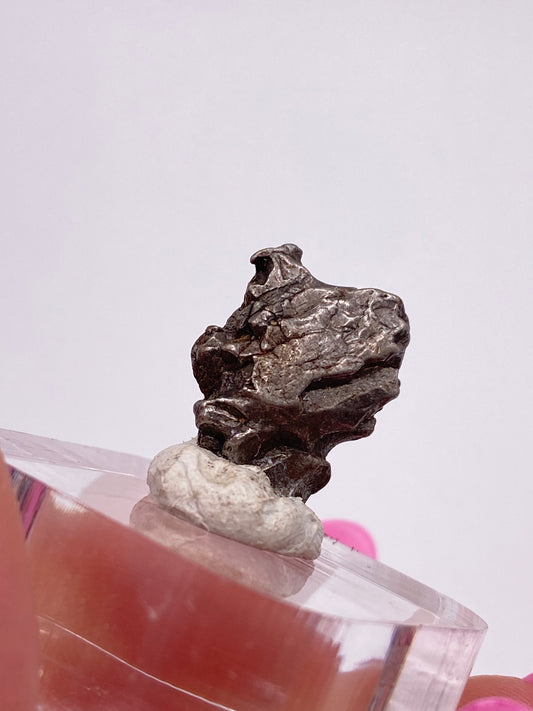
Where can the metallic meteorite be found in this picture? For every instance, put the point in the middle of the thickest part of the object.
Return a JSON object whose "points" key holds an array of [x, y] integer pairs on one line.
{"points": [[300, 367]]}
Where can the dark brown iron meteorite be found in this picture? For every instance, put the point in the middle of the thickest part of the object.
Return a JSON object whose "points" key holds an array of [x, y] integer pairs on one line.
{"points": [[298, 368]]}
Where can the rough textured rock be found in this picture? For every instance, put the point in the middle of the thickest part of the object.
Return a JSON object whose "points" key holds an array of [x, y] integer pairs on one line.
{"points": [[298, 368], [236, 501]]}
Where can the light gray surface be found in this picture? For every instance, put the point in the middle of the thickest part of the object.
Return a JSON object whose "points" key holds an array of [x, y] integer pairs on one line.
{"points": [[147, 145]]}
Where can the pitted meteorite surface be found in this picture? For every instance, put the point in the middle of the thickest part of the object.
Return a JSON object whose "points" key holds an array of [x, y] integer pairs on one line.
{"points": [[298, 368]]}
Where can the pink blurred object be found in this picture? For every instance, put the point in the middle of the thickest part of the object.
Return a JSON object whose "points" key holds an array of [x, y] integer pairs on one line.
{"points": [[351, 534], [495, 703], [529, 678]]}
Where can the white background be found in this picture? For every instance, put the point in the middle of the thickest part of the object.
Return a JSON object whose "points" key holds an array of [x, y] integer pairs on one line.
{"points": [[149, 147]]}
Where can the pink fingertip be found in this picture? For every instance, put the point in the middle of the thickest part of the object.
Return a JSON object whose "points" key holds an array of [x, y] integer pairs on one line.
{"points": [[529, 678], [351, 534], [494, 703]]}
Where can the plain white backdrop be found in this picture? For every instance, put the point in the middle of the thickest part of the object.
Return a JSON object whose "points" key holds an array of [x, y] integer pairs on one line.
{"points": [[150, 146]]}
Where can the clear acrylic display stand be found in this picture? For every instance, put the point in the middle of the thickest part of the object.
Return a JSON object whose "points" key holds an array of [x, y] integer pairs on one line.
{"points": [[139, 610]]}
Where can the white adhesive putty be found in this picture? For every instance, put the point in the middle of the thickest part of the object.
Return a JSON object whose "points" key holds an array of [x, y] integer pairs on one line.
{"points": [[233, 500]]}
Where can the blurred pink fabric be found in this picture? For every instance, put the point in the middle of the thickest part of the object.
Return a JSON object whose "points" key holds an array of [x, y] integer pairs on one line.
{"points": [[495, 703], [351, 534]]}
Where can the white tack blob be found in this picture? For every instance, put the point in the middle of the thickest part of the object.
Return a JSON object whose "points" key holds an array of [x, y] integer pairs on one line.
{"points": [[233, 500]]}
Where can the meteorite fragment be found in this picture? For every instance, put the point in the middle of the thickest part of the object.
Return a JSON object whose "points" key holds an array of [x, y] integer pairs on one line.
{"points": [[300, 367]]}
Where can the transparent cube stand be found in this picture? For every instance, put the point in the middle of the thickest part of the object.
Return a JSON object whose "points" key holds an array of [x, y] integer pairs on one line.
{"points": [[141, 611]]}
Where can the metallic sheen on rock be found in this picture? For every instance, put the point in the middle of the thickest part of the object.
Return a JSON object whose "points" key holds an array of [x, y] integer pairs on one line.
{"points": [[298, 368]]}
